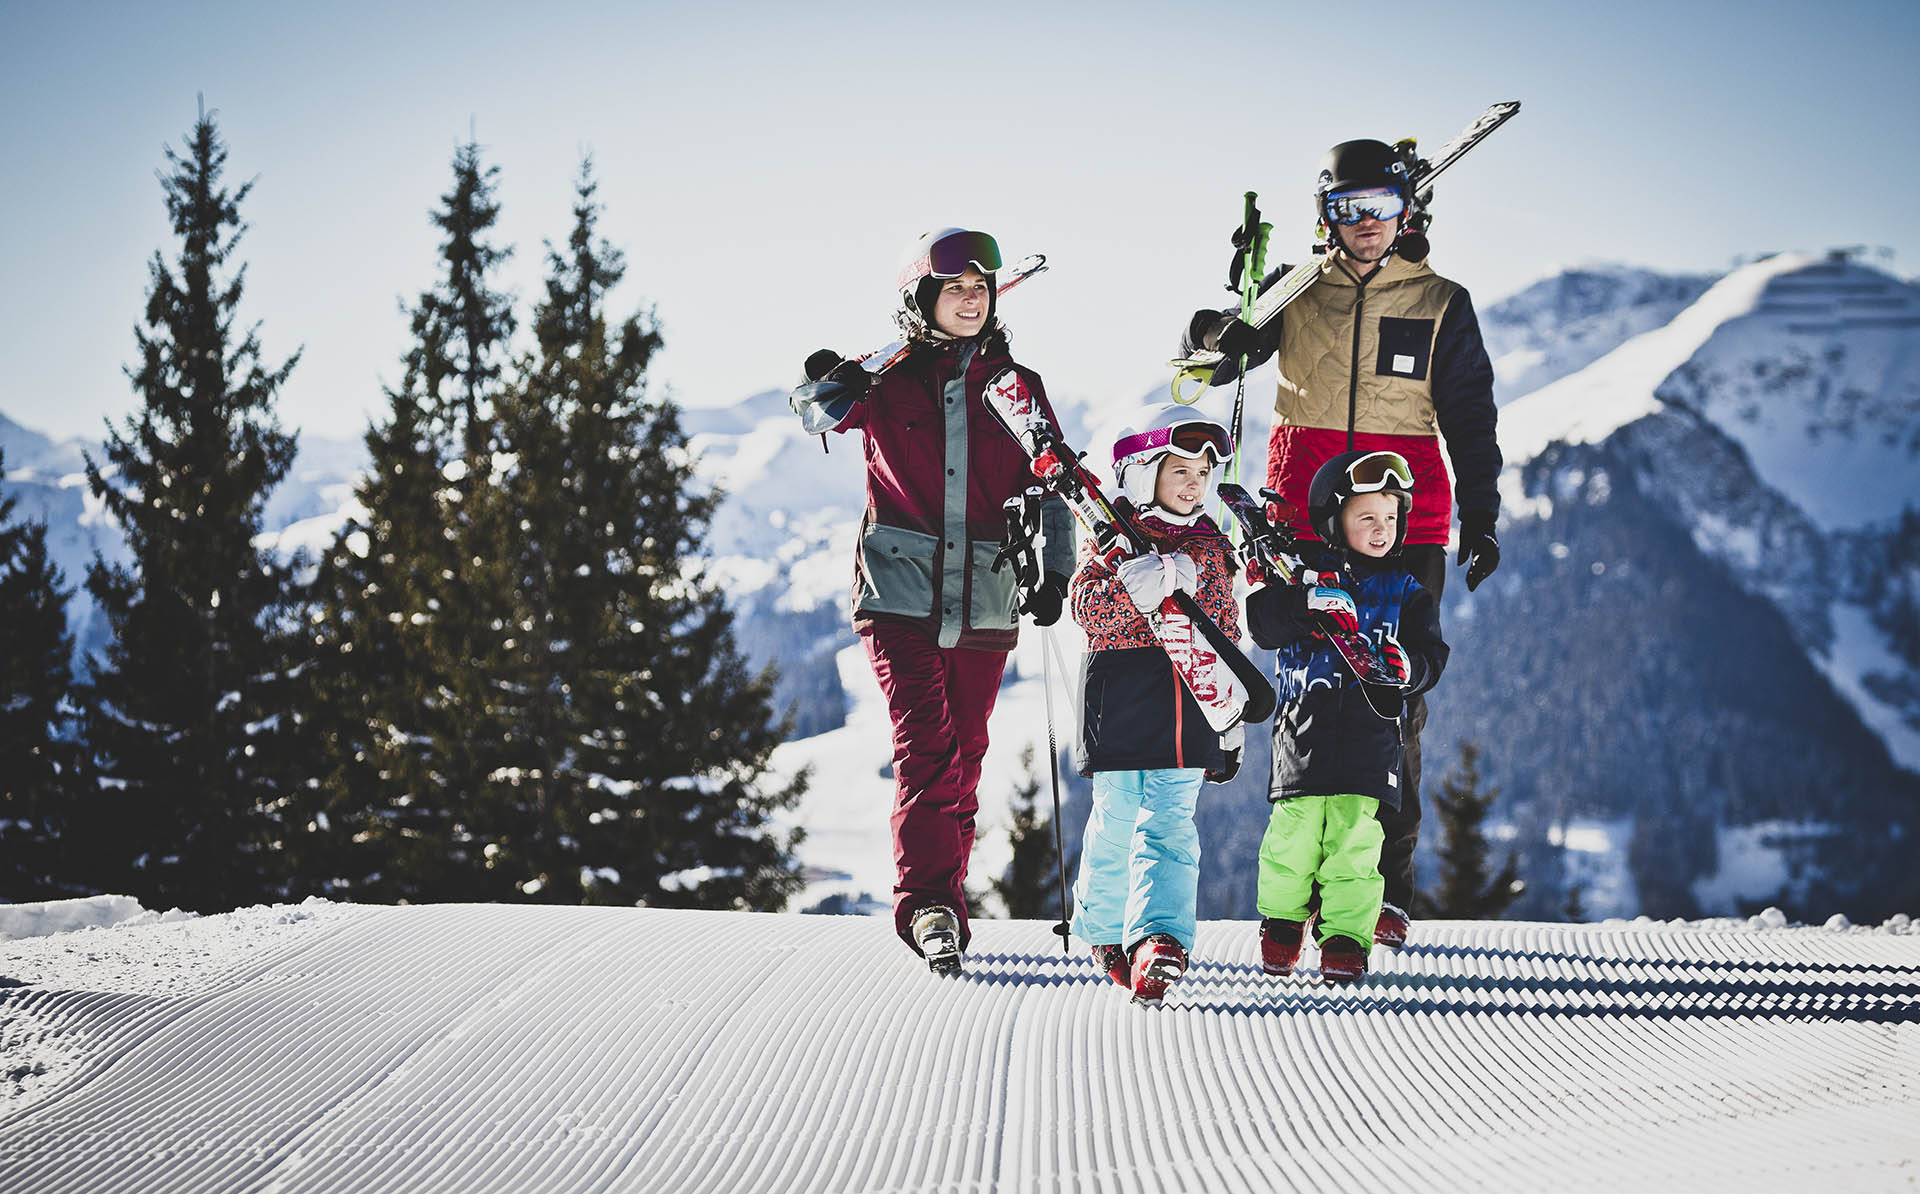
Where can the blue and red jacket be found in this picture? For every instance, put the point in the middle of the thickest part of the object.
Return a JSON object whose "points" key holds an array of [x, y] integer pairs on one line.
{"points": [[1327, 740]]}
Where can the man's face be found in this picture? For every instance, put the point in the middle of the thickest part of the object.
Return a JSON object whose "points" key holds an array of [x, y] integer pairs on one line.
{"points": [[1369, 239]]}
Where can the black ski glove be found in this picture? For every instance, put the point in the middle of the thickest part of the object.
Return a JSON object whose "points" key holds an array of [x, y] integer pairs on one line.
{"points": [[1479, 550], [820, 362], [828, 365], [1232, 747], [1230, 337], [1044, 603]]}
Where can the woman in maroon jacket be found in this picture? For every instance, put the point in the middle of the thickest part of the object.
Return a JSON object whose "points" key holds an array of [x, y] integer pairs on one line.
{"points": [[936, 619]]}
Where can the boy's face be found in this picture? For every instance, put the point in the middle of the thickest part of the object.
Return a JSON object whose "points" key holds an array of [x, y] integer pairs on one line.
{"points": [[960, 309], [1182, 483], [1371, 522]]}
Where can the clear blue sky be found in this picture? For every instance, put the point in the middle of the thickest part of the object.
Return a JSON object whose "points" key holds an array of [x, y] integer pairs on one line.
{"points": [[763, 165]]}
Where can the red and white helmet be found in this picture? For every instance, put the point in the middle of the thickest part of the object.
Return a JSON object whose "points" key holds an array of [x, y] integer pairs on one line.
{"points": [[1159, 431]]}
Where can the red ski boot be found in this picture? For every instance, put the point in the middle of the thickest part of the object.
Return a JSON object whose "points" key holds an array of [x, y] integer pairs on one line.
{"points": [[1157, 962], [1280, 944], [1113, 960], [1342, 961], [1391, 929]]}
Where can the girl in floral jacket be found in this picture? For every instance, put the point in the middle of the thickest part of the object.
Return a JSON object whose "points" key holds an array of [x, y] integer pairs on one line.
{"points": [[1143, 737]]}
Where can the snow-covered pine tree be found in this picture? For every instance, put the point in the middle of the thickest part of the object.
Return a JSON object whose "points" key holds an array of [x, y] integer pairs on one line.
{"points": [[638, 744], [184, 710], [1467, 890], [408, 601], [39, 761]]}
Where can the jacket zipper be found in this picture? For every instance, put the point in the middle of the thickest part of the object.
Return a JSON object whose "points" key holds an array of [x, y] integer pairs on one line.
{"points": [[1353, 371]]}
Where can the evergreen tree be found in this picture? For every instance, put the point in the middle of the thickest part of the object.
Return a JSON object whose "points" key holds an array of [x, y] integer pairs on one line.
{"points": [[39, 761], [636, 744], [410, 599], [184, 711], [1030, 886], [1467, 891]]}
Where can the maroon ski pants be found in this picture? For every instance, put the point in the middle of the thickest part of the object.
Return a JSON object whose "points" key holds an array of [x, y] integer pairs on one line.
{"points": [[939, 700]]}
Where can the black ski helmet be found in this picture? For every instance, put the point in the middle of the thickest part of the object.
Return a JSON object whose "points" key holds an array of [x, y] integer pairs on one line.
{"points": [[922, 274], [1356, 165], [1339, 479], [1352, 165]]}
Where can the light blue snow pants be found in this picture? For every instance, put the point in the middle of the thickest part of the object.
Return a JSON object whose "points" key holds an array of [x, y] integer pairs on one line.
{"points": [[1139, 858]]}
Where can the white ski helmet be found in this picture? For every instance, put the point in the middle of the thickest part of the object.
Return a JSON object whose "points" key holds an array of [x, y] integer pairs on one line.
{"points": [[935, 257], [1158, 431]]}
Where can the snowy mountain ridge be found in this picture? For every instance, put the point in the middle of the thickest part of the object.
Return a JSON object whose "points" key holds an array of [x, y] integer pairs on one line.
{"points": [[1565, 322], [476, 1048], [1778, 391]]}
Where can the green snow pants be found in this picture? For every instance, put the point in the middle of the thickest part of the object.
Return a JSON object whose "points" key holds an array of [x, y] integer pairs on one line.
{"points": [[1330, 840]]}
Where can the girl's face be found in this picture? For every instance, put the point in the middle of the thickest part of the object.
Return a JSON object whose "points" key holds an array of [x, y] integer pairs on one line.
{"points": [[1370, 521], [1181, 483], [960, 309]]}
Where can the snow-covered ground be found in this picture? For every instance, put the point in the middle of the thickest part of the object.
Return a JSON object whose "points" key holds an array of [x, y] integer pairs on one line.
{"points": [[466, 1048]]}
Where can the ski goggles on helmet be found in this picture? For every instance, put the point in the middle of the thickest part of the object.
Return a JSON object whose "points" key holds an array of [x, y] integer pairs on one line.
{"points": [[948, 256], [1348, 208], [1379, 470], [1190, 440]]}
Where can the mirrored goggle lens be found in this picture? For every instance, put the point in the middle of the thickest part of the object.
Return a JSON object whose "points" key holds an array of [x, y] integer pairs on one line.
{"points": [[950, 256], [1192, 439], [1379, 203], [1378, 470]]}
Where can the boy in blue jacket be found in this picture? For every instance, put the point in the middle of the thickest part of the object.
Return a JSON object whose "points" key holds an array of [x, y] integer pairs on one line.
{"points": [[1335, 759]]}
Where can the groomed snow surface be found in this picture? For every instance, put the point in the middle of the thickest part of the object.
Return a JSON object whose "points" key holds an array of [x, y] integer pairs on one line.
{"points": [[330, 1047]]}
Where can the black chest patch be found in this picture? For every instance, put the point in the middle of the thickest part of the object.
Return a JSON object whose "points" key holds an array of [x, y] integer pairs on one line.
{"points": [[1406, 347]]}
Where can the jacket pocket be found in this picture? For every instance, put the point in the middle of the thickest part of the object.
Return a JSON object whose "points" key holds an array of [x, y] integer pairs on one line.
{"points": [[991, 606], [1406, 345], [896, 572]]}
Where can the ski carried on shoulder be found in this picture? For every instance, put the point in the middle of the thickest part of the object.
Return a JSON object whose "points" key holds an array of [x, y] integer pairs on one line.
{"points": [[1228, 686], [1270, 556], [1420, 175], [892, 353]]}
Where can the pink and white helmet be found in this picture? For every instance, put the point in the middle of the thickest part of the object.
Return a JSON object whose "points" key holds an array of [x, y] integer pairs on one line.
{"points": [[1153, 434]]}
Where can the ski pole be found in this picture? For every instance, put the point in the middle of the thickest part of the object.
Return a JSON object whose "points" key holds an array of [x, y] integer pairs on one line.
{"points": [[1252, 240], [1053, 776]]}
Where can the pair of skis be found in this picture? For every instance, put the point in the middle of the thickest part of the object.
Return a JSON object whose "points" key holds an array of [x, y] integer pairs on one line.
{"points": [[1228, 686], [1295, 282]]}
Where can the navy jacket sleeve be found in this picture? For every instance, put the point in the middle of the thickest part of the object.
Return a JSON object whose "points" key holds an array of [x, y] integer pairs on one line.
{"points": [[1463, 404], [1276, 616], [1420, 638]]}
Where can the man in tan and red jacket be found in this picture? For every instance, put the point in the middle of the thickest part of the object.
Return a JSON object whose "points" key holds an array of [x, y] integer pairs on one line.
{"points": [[1380, 353]]}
